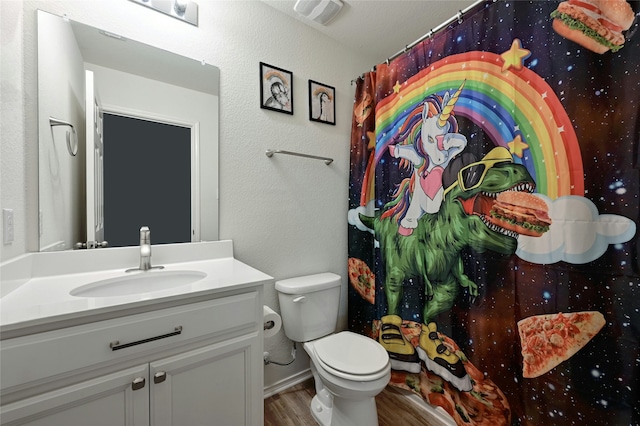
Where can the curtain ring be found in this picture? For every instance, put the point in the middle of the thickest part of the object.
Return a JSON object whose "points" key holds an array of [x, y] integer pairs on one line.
{"points": [[387, 61], [460, 17]]}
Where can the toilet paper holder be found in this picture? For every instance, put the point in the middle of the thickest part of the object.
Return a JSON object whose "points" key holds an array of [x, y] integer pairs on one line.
{"points": [[269, 325]]}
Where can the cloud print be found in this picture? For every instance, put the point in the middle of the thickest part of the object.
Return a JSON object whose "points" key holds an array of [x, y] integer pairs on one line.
{"points": [[578, 233], [353, 216]]}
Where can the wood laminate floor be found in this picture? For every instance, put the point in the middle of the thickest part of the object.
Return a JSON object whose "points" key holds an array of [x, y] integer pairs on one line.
{"points": [[291, 408]]}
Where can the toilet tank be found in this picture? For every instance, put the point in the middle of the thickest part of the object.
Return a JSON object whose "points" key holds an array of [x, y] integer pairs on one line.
{"points": [[309, 305]]}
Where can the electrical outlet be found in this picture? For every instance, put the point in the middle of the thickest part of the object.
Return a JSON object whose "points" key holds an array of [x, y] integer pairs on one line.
{"points": [[7, 225]]}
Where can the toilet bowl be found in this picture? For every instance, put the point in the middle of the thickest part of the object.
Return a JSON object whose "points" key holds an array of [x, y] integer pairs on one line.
{"points": [[349, 369]]}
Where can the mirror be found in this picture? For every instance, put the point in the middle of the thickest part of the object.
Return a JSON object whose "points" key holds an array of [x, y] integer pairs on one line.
{"points": [[91, 81]]}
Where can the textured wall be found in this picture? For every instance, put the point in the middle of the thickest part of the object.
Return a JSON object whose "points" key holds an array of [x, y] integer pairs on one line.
{"points": [[286, 215]]}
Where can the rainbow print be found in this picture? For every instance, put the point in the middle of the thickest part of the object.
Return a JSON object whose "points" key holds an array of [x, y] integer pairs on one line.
{"points": [[515, 107]]}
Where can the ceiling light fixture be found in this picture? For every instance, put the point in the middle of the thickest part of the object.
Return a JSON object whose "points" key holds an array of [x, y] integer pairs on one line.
{"points": [[185, 10], [320, 11]]}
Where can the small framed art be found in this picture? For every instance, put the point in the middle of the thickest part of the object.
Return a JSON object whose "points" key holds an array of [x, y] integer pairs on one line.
{"points": [[276, 89], [322, 106]]}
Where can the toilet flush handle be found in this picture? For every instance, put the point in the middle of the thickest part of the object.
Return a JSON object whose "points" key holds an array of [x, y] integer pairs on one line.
{"points": [[299, 299]]}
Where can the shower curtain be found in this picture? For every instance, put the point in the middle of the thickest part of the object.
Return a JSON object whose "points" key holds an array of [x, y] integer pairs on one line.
{"points": [[494, 202]]}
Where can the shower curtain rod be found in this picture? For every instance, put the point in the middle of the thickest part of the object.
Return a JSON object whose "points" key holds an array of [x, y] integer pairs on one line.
{"points": [[457, 17]]}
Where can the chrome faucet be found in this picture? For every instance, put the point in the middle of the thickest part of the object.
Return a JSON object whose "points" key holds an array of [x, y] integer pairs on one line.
{"points": [[145, 248], [145, 251]]}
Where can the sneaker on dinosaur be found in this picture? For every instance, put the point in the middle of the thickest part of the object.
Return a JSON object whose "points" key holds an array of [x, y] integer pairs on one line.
{"points": [[401, 352], [439, 359]]}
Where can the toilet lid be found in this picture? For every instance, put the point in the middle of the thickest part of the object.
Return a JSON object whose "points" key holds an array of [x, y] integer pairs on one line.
{"points": [[351, 353]]}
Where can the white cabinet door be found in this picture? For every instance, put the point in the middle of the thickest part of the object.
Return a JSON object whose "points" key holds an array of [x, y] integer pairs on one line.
{"points": [[215, 385], [120, 398]]}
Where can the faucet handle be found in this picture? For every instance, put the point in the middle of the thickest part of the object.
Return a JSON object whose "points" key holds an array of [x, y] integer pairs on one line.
{"points": [[145, 235]]}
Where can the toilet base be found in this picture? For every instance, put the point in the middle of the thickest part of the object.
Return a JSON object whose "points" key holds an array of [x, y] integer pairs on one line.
{"points": [[320, 412], [345, 412]]}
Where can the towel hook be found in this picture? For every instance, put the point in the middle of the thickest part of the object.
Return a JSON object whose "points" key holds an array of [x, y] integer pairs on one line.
{"points": [[73, 150]]}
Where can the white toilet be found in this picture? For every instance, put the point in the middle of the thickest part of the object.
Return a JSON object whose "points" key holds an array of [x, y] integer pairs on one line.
{"points": [[349, 369]]}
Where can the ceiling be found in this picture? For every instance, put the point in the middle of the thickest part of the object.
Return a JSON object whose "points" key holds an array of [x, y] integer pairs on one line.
{"points": [[380, 28]]}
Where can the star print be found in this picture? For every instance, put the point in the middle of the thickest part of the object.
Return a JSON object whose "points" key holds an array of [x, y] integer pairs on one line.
{"points": [[396, 88], [517, 146], [515, 56]]}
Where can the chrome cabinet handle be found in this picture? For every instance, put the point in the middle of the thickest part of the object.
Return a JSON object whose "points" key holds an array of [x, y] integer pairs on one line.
{"points": [[138, 383], [159, 377], [115, 345]]}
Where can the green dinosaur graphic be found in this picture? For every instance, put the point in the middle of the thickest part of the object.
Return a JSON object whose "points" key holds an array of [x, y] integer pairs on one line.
{"points": [[432, 253]]}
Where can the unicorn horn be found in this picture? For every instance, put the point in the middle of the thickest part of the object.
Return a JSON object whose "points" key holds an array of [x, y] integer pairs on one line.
{"points": [[446, 111]]}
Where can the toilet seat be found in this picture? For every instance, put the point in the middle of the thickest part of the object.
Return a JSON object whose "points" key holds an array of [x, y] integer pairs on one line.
{"points": [[351, 356]]}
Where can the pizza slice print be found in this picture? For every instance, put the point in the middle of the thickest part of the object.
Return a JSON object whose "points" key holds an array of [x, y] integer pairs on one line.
{"points": [[362, 279], [549, 340]]}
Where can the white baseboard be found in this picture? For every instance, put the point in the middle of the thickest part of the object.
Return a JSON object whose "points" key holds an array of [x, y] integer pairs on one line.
{"points": [[436, 415], [287, 383]]}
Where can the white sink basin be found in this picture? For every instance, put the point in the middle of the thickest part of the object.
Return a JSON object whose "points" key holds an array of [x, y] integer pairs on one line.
{"points": [[138, 282]]}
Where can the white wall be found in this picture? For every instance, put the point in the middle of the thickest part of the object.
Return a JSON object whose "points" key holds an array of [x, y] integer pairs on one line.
{"points": [[286, 215], [18, 171]]}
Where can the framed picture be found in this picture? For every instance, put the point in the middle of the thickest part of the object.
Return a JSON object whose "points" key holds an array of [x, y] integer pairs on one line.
{"points": [[276, 89], [322, 105]]}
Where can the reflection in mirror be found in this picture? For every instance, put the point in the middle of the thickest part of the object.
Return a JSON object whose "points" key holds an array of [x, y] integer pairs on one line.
{"points": [[147, 132]]}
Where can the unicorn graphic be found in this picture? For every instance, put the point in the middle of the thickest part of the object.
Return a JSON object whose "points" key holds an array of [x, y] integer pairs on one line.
{"points": [[427, 141]]}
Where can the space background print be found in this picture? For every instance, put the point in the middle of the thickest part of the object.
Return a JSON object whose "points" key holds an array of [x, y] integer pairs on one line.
{"points": [[568, 119]]}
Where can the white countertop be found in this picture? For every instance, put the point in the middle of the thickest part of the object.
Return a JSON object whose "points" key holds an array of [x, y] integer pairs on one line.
{"points": [[45, 298]]}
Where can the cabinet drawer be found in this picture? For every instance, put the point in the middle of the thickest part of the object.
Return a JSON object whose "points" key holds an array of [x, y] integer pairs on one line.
{"points": [[54, 353]]}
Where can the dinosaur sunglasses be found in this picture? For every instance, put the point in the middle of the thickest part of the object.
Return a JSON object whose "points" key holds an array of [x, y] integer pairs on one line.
{"points": [[472, 175]]}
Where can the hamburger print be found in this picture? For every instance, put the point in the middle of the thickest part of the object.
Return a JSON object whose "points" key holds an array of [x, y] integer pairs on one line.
{"points": [[520, 212], [594, 24]]}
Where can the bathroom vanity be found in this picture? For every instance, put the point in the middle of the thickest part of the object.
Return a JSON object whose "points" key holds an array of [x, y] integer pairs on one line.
{"points": [[181, 355]]}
